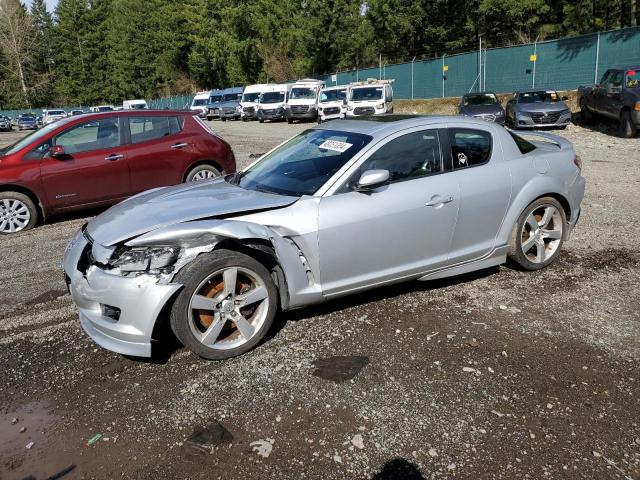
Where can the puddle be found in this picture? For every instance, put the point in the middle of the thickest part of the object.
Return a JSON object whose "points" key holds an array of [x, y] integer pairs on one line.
{"points": [[339, 369], [30, 425]]}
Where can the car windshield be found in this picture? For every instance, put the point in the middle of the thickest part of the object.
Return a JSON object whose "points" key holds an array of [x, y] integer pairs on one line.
{"points": [[480, 99], [215, 98], [366, 93], [272, 97], [633, 78], [105, 109], [198, 102], [56, 112], [538, 97], [232, 97], [26, 116], [307, 93], [33, 138], [251, 97], [137, 106], [333, 95], [303, 164]]}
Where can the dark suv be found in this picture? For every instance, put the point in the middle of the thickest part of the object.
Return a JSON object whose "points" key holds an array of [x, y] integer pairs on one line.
{"points": [[99, 159]]}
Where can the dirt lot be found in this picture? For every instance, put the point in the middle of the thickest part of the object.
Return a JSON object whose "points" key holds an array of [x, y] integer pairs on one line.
{"points": [[500, 374]]}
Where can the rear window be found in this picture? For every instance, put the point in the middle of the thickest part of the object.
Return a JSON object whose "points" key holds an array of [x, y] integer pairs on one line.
{"points": [[523, 145], [469, 147], [144, 129]]}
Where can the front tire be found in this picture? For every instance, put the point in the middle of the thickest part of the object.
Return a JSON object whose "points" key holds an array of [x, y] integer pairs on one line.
{"points": [[202, 172], [627, 127], [227, 305], [17, 213], [538, 234], [586, 117]]}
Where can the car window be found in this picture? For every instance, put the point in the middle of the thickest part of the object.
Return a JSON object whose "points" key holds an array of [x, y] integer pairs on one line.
{"points": [[175, 125], [523, 145], [633, 78], [410, 156], [144, 129], [605, 77], [616, 79], [469, 147], [93, 135]]}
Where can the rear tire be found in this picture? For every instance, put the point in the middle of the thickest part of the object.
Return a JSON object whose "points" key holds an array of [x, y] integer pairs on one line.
{"points": [[227, 326], [627, 127], [204, 171], [223, 119], [538, 234], [17, 213], [289, 121]]}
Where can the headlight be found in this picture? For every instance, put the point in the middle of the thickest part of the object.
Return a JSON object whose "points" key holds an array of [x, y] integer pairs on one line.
{"points": [[238, 108], [350, 108], [319, 109], [380, 106], [144, 258]]}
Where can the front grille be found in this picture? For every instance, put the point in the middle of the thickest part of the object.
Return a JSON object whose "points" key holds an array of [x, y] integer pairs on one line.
{"points": [[249, 109], [543, 117], [364, 111], [270, 111], [487, 116], [229, 110], [331, 110], [299, 109], [213, 110]]}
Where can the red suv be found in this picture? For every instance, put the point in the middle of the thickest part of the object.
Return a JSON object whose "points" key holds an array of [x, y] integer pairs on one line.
{"points": [[99, 159]]}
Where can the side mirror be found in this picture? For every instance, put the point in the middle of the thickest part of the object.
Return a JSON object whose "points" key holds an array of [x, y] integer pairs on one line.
{"points": [[371, 179], [613, 89], [56, 151]]}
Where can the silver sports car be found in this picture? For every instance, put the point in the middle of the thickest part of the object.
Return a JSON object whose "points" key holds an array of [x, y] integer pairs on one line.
{"points": [[346, 206]]}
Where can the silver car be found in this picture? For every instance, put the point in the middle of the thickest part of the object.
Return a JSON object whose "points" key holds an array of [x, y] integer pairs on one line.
{"points": [[341, 208], [537, 109]]}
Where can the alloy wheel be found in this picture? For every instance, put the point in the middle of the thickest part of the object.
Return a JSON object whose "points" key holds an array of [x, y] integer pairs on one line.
{"points": [[541, 233], [228, 308], [203, 175]]}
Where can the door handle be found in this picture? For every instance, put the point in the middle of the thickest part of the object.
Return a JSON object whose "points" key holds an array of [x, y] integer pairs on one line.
{"points": [[179, 145], [113, 157], [437, 200]]}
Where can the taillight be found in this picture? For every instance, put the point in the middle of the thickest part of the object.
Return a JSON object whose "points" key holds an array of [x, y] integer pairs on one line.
{"points": [[578, 162]]}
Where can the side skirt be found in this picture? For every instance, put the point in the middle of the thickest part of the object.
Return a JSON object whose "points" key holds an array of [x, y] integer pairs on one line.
{"points": [[496, 257]]}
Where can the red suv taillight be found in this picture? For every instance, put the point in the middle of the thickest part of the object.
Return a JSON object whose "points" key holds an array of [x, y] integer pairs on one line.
{"points": [[578, 162]]}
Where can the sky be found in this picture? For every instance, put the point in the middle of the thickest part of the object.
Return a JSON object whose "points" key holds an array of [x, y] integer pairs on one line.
{"points": [[51, 4]]}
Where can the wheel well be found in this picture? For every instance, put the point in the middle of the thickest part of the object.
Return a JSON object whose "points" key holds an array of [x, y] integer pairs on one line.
{"points": [[213, 163], [625, 109], [263, 252], [25, 191], [563, 201]]}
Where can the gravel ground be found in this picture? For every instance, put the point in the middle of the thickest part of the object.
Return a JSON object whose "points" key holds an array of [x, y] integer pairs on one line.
{"points": [[499, 374]]}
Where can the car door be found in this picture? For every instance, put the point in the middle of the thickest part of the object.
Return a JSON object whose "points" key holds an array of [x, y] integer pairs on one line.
{"points": [[397, 230], [613, 103], [600, 92], [159, 150], [484, 181], [93, 168]]}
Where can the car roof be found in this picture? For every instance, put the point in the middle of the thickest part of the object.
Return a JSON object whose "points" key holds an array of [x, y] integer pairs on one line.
{"points": [[532, 90], [471, 94], [383, 125]]}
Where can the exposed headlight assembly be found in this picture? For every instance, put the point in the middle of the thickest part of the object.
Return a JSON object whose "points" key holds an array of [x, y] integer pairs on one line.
{"points": [[144, 259]]}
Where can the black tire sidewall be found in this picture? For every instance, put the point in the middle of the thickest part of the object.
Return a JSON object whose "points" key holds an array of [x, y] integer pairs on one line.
{"points": [[515, 244], [627, 129], [33, 210], [191, 277]]}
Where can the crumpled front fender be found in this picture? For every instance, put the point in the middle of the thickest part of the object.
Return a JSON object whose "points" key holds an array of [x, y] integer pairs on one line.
{"points": [[302, 283]]}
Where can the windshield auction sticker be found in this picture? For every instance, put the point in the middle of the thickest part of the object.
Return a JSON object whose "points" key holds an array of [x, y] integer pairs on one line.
{"points": [[336, 145]]}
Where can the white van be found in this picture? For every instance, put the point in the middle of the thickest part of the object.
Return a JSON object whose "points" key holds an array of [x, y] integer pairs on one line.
{"points": [[272, 102], [102, 108], [199, 103], [373, 97], [249, 101], [303, 100], [135, 105], [332, 103]]}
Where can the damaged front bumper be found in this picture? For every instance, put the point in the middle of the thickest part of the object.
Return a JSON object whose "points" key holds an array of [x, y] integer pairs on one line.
{"points": [[119, 313]]}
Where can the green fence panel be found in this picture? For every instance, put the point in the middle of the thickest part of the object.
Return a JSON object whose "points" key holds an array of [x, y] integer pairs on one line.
{"points": [[619, 48]]}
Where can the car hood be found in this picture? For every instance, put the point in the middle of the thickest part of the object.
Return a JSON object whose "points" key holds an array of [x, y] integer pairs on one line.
{"points": [[542, 107], [481, 109], [161, 207], [231, 103]]}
